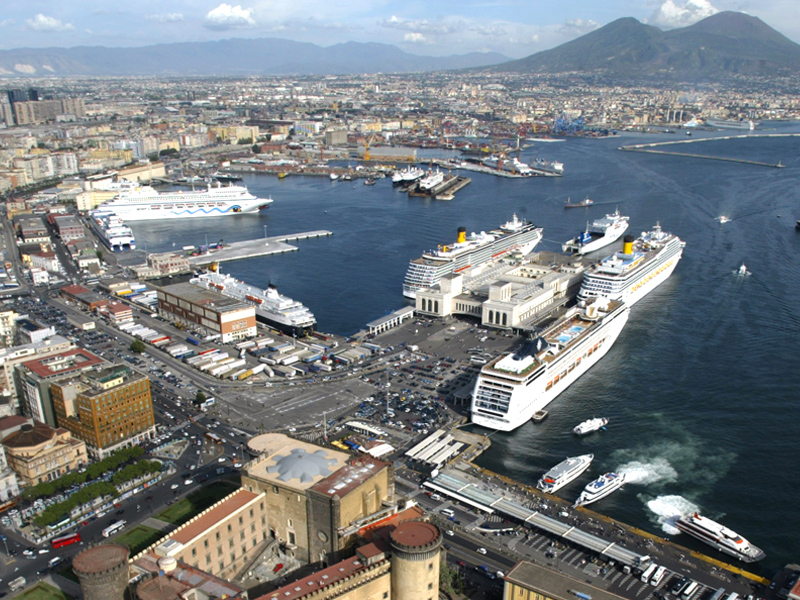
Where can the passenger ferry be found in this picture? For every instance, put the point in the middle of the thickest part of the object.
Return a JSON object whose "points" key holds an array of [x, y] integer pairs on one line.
{"points": [[599, 234], [564, 472], [512, 387], [143, 203], [720, 537], [470, 251], [641, 266], [117, 236], [603, 486]]}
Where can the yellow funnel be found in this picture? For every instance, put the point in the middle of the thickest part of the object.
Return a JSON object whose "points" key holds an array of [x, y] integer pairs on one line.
{"points": [[462, 235], [627, 244]]}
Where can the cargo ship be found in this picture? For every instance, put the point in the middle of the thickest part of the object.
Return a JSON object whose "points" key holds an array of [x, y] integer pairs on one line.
{"points": [[272, 308], [470, 251]]}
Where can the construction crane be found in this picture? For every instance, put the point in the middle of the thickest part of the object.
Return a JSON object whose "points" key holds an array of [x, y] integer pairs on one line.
{"points": [[367, 143]]}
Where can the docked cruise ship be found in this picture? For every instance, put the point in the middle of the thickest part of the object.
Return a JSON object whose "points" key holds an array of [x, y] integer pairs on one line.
{"points": [[470, 251], [515, 385], [408, 175], [512, 165], [723, 124], [143, 203], [641, 266], [272, 308], [117, 236], [720, 537], [599, 234]]}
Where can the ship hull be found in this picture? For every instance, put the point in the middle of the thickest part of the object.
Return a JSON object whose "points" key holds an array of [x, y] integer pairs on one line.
{"points": [[708, 538], [596, 244], [527, 399], [287, 328]]}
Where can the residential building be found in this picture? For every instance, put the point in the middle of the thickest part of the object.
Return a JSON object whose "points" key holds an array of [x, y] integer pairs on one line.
{"points": [[118, 312], [35, 376], [7, 327], [46, 260], [108, 408], [33, 230], [317, 498], [168, 263], [69, 228], [207, 311], [30, 331], [40, 453], [9, 484]]}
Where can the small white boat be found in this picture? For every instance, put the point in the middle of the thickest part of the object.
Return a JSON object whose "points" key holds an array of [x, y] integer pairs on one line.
{"points": [[601, 487], [723, 219], [591, 425], [334, 176], [742, 271]]}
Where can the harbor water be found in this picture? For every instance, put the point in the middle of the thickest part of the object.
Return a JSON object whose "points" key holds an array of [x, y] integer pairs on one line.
{"points": [[701, 386]]}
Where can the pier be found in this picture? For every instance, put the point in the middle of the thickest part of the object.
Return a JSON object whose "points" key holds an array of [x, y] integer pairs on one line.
{"points": [[257, 247], [653, 149]]}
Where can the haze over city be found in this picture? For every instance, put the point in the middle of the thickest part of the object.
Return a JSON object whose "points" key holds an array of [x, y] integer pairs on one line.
{"points": [[516, 28]]}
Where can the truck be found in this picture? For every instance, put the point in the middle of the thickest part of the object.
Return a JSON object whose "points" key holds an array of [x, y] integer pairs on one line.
{"points": [[17, 584], [178, 350], [193, 341]]}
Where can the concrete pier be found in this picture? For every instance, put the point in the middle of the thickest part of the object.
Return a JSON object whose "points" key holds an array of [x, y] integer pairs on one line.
{"points": [[257, 247], [654, 148]]}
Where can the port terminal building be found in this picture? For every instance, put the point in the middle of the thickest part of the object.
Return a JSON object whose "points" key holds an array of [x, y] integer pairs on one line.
{"points": [[207, 311], [508, 294]]}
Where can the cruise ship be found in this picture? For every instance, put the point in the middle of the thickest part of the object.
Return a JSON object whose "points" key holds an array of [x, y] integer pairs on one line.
{"points": [[512, 165], [470, 251], [603, 486], [641, 266], [408, 175], [720, 537], [117, 236], [143, 203], [564, 472], [272, 308], [723, 124], [599, 234], [513, 386], [431, 180]]}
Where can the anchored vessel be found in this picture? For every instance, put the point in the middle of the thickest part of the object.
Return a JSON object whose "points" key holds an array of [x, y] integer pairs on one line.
{"points": [[599, 234], [630, 275], [564, 472], [590, 426], [470, 251], [142, 203], [408, 175], [720, 537], [512, 387], [512, 165], [723, 124], [280, 312], [601, 487], [112, 231]]}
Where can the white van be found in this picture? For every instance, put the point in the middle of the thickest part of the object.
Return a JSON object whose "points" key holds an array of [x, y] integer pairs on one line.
{"points": [[447, 512]]}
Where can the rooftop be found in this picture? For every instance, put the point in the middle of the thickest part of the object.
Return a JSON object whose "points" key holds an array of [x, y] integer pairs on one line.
{"points": [[100, 558], [219, 512], [558, 586], [173, 584], [62, 363], [197, 295], [318, 581], [349, 476], [415, 534]]}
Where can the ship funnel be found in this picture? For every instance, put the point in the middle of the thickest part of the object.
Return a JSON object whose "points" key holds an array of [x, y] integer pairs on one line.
{"points": [[462, 235], [627, 244]]}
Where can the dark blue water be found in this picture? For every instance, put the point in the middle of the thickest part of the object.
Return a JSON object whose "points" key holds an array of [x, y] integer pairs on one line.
{"points": [[701, 386]]}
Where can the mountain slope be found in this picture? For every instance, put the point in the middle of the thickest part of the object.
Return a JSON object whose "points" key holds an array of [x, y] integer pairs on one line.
{"points": [[722, 44], [264, 56]]}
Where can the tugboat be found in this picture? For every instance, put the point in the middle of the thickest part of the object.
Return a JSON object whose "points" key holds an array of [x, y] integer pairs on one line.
{"points": [[584, 202]]}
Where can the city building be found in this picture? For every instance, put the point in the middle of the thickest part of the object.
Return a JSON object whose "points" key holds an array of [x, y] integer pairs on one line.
{"points": [[169, 579], [103, 572], [118, 312], [11, 357], [168, 263], [529, 581], [402, 566], [317, 498], [108, 408], [209, 312], [35, 376], [9, 484], [30, 331], [222, 539], [38, 453], [33, 230], [69, 228], [83, 297], [8, 319]]}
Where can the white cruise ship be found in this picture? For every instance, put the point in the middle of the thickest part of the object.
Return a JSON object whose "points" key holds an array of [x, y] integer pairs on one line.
{"points": [[431, 180], [720, 537], [512, 165], [407, 175], [599, 234], [272, 308], [603, 486], [630, 275], [724, 124], [512, 387], [143, 203], [564, 472], [117, 236], [470, 251]]}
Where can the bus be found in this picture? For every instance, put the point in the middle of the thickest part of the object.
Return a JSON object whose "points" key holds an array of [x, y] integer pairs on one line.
{"points": [[65, 540], [112, 529], [659, 575], [213, 437], [59, 525], [648, 572]]}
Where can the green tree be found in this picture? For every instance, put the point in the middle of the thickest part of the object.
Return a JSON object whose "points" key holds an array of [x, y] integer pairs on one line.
{"points": [[200, 397], [138, 346], [256, 148], [99, 255]]}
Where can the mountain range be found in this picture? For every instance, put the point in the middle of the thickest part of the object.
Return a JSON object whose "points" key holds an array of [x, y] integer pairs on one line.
{"points": [[233, 57], [720, 45]]}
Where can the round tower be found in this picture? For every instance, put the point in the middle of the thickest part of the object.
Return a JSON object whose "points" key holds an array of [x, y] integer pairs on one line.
{"points": [[102, 572], [415, 561]]}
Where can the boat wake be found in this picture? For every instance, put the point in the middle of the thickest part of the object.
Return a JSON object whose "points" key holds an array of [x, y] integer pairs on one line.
{"points": [[666, 510], [648, 472]]}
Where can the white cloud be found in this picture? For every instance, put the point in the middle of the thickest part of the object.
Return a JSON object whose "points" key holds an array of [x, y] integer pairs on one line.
{"points": [[670, 15], [165, 18], [6, 22], [415, 38], [226, 16], [578, 27], [44, 23], [423, 25]]}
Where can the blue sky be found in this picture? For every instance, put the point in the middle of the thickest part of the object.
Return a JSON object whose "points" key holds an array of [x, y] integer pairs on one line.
{"points": [[516, 28]]}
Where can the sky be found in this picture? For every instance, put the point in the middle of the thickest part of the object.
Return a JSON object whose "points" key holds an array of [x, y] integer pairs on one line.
{"points": [[516, 28]]}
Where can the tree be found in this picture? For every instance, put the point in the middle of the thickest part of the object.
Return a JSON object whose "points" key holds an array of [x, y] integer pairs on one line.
{"points": [[138, 346], [256, 148], [99, 255], [200, 397]]}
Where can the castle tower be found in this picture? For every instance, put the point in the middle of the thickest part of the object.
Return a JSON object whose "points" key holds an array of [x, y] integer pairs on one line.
{"points": [[415, 561], [102, 572]]}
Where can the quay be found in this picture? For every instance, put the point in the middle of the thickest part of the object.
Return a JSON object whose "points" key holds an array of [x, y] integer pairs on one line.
{"points": [[654, 149], [443, 191], [257, 247]]}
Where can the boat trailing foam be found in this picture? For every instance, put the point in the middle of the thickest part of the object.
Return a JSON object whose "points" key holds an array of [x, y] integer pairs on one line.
{"points": [[668, 509]]}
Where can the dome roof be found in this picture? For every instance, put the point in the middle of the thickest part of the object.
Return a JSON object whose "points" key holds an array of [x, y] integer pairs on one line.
{"points": [[302, 465], [29, 435]]}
